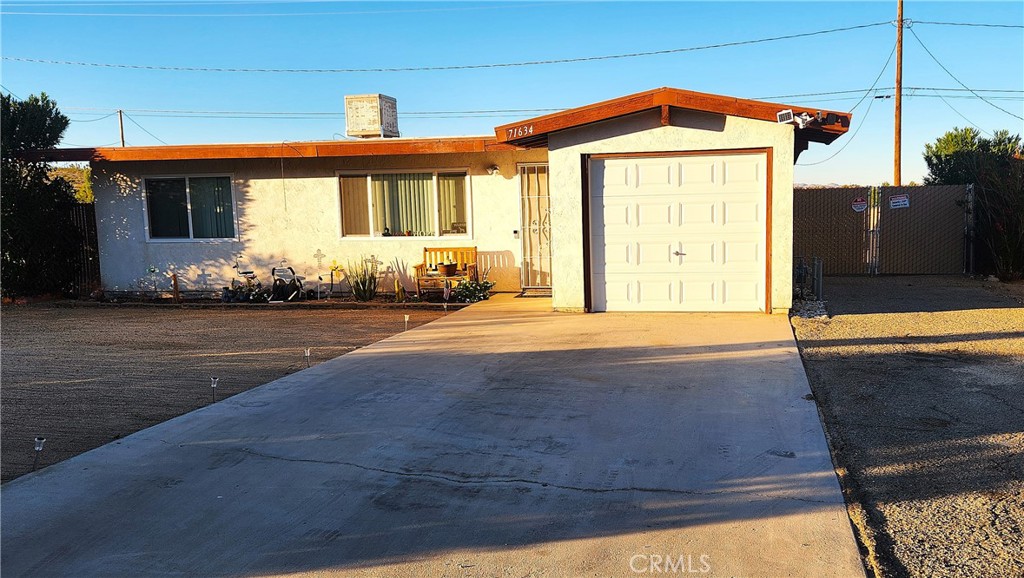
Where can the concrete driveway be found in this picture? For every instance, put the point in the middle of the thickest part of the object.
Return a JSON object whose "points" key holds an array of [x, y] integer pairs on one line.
{"points": [[503, 440]]}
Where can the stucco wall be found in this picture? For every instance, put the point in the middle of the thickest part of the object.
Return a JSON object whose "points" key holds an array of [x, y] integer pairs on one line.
{"points": [[290, 210], [688, 131]]}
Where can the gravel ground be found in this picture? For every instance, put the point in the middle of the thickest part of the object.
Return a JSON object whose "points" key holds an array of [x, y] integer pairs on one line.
{"points": [[84, 376], [920, 382]]}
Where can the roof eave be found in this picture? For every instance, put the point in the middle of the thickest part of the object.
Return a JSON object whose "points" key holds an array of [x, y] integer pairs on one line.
{"points": [[325, 149], [533, 132]]}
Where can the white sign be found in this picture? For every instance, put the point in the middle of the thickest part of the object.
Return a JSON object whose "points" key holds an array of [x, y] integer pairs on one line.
{"points": [[860, 204], [899, 201]]}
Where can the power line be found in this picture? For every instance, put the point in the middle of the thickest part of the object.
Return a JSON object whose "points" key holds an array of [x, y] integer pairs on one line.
{"points": [[241, 14], [873, 84], [442, 68], [848, 141], [10, 92], [144, 129], [169, 2], [866, 113], [918, 38], [860, 90], [93, 119], [962, 116], [971, 24], [493, 113]]}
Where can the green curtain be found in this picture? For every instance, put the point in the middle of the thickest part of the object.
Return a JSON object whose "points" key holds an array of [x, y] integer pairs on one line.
{"points": [[167, 204], [212, 217], [451, 203], [402, 202]]}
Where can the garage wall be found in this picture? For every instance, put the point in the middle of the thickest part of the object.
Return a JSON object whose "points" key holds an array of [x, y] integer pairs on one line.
{"points": [[289, 212], [688, 131]]}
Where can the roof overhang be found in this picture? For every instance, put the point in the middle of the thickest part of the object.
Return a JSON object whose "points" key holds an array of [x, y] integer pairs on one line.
{"points": [[329, 149], [534, 132], [531, 133]]}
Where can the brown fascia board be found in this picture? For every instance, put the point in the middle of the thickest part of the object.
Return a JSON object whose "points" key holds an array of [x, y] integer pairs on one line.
{"points": [[353, 148], [533, 132]]}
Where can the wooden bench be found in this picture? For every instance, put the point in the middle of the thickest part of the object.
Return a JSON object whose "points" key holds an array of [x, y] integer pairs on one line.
{"points": [[428, 275]]}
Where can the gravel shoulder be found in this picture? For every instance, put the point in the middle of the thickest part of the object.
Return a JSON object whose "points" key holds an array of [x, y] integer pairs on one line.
{"points": [[84, 376], [919, 381]]}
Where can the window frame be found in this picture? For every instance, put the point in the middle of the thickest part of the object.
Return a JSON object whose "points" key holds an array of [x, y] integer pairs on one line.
{"points": [[434, 199], [188, 207]]}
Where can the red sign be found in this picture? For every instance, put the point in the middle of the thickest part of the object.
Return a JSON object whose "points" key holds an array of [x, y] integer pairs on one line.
{"points": [[860, 204]]}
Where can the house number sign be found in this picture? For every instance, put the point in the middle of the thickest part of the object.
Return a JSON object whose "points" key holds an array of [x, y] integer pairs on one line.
{"points": [[519, 131]]}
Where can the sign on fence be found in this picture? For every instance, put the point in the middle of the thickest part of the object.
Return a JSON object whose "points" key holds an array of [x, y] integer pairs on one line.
{"points": [[899, 202], [884, 232]]}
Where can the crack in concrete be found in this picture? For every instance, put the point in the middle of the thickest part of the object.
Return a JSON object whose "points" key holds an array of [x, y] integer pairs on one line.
{"points": [[435, 476]]}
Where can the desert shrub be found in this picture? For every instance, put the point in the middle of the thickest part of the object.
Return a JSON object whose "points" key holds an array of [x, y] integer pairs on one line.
{"points": [[362, 276], [472, 291]]}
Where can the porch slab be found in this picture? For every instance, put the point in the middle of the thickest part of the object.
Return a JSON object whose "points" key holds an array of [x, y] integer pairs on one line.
{"points": [[502, 440]]}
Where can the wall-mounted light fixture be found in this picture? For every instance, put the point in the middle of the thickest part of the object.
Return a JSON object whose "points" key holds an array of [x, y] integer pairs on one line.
{"points": [[493, 170]]}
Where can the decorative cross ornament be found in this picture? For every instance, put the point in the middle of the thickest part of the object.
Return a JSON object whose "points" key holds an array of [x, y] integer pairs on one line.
{"points": [[319, 256]]}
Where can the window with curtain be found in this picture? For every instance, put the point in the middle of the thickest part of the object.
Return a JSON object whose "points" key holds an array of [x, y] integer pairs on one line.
{"points": [[205, 203], [404, 204], [451, 203], [355, 220], [167, 200]]}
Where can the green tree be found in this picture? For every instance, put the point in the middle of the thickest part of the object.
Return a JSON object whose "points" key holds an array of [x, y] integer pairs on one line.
{"points": [[37, 237], [996, 168], [80, 177]]}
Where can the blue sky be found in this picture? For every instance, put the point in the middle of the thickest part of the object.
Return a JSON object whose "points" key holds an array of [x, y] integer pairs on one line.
{"points": [[323, 34]]}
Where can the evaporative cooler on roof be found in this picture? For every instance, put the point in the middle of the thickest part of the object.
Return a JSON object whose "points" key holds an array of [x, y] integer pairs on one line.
{"points": [[371, 115]]}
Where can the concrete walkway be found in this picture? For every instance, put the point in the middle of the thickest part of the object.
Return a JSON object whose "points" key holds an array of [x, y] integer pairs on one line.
{"points": [[502, 440]]}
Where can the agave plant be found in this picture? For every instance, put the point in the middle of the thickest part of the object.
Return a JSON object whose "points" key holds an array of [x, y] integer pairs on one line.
{"points": [[362, 276]]}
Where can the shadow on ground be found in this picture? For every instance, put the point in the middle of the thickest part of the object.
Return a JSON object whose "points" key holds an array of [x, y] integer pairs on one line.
{"points": [[571, 451], [909, 294], [923, 403]]}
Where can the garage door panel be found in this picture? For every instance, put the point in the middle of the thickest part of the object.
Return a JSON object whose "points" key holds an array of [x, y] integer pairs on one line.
{"points": [[710, 208], [656, 254], [739, 172], [700, 254], [655, 174], [654, 214], [698, 214], [740, 293], [616, 215], [695, 172], [741, 213], [616, 176], [700, 294], [616, 293], [740, 253], [656, 292], [616, 255]]}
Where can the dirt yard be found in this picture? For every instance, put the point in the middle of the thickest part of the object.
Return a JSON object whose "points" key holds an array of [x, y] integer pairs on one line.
{"points": [[84, 376], [920, 381]]}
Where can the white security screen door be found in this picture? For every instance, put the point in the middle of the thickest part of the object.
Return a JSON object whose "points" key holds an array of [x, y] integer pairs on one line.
{"points": [[536, 226]]}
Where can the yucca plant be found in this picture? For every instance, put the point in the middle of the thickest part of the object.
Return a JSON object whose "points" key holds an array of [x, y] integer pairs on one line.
{"points": [[362, 276]]}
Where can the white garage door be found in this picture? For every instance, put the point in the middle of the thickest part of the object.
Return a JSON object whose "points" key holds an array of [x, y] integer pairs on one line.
{"points": [[683, 233]]}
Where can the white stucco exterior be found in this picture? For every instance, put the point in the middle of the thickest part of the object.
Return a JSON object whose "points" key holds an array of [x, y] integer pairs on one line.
{"points": [[643, 133], [290, 209]]}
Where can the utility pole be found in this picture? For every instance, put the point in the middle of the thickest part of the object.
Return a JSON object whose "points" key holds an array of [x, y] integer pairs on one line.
{"points": [[897, 139], [121, 122]]}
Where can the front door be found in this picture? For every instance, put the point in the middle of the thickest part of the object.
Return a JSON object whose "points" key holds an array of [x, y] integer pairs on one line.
{"points": [[536, 227]]}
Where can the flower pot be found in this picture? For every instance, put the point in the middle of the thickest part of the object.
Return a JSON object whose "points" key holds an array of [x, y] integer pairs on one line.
{"points": [[447, 270]]}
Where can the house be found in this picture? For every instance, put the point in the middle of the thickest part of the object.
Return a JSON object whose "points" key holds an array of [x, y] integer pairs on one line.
{"points": [[665, 200]]}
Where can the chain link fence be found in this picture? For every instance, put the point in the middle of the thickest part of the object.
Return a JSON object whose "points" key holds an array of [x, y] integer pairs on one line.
{"points": [[885, 230]]}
